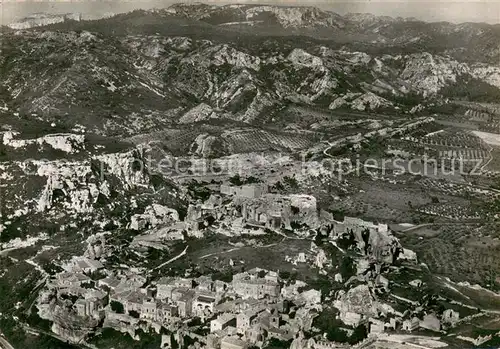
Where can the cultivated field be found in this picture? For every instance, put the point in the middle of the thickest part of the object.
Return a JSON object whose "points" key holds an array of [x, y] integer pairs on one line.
{"points": [[463, 252]]}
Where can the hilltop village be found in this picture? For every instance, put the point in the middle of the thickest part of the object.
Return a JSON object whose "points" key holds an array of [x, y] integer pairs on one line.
{"points": [[247, 176], [250, 308]]}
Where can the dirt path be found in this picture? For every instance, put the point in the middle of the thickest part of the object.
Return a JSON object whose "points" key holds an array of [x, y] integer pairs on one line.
{"points": [[172, 259]]}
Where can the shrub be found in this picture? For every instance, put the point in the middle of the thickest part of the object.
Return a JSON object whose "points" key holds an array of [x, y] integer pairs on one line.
{"points": [[134, 314], [117, 307]]}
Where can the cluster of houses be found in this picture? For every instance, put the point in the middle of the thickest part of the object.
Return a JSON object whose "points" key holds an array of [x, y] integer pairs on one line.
{"points": [[431, 321], [255, 305], [252, 307], [253, 205]]}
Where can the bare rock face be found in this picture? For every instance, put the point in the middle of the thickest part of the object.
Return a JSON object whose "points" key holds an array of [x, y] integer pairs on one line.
{"points": [[199, 113], [428, 73], [75, 185], [122, 323], [357, 101], [41, 19], [374, 241], [69, 143], [202, 145], [153, 216], [71, 327], [356, 302], [96, 247], [384, 247]]}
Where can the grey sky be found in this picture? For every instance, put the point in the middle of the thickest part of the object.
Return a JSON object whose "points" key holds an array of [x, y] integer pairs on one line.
{"points": [[437, 10]]}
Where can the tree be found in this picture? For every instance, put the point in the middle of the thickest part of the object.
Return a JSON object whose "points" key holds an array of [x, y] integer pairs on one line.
{"points": [[97, 275], [347, 267], [226, 276], [347, 240], [338, 215], [283, 274], [291, 182], [173, 342], [134, 314], [328, 323], [236, 180], [117, 307], [277, 344], [358, 335], [336, 334]]}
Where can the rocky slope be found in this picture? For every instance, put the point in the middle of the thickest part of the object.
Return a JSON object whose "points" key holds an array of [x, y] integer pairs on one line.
{"points": [[363, 27], [42, 19], [182, 72], [95, 79]]}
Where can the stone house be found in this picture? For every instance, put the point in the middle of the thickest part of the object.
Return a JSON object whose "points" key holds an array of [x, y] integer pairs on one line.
{"points": [[431, 322], [93, 303], [280, 333], [245, 319], [85, 265], [185, 304], [156, 310], [111, 282], [67, 279], [376, 326], [232, 342], [166, 285], [251, 285], [203, 303], [411, 324], [255, 334], [222, 321], [205, 283], [450, 316]]}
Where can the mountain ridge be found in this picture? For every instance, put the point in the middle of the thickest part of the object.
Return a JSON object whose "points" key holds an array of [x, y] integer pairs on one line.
{"points": [[466, 42]]}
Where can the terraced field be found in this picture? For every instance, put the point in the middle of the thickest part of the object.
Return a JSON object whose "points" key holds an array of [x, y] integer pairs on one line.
{"points": [[238, 140], [459, 251], [492, 127], [254, 140], [458, 189]]}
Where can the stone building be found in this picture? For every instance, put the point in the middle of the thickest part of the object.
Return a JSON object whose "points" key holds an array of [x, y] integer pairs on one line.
{"points": [[357, 226], [270, 211], [248, 286], [84, 265], [203, 303], [376, 326], [275, 211], [245, 318], [230, 342], [165, 286], [158, 311], [110, 282], [450, 316], [249, 191], [185, 304], [431, 322], [411, 324], [93, 303], [67, 279], [222, 321]]}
